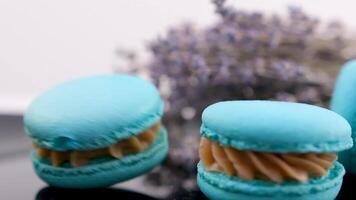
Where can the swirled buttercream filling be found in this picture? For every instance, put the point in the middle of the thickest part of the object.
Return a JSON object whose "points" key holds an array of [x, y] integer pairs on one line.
{"points": [[132, 145], [275, 167]]}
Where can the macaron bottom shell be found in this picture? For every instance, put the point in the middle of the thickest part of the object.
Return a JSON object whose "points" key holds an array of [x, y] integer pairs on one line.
{"points": [[105, 172], [217, 186]]}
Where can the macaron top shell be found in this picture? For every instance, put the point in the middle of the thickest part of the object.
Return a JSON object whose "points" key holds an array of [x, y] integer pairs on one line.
{"points": [[272, 126], [93, 112]]}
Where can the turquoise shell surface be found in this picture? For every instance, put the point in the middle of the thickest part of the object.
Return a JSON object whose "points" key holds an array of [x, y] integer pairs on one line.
{"points": [[93, 112], [272, 126]]}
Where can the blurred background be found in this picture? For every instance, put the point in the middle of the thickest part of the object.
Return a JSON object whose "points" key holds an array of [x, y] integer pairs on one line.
{"points": [[197, 52]]}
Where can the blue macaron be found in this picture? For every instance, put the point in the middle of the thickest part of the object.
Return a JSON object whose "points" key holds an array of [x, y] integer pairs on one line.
{"points": [[344, 103], [96, 131], [264, 150]]}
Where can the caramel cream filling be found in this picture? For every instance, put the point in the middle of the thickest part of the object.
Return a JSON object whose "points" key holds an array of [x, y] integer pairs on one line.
{"points": [[276, 167], [130, 145]]}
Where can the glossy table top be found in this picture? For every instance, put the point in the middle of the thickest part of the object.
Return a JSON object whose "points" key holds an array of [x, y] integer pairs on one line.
{"points": [[19, 182]]}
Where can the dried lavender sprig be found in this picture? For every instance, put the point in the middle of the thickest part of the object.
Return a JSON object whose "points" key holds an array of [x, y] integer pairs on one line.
{"points": [[246, 55]]}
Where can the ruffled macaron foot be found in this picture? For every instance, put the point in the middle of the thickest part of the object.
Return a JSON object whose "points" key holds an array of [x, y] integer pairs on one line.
{"points": [[218, 186], [103, 172]]}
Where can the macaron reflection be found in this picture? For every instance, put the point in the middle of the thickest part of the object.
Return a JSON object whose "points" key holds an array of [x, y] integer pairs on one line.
{"points": [[53, 193]]}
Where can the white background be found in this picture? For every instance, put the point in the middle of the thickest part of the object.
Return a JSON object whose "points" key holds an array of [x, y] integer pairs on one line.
{"points": [[43, 42]]}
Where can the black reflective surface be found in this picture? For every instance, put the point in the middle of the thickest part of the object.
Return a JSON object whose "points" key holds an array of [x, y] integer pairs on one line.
{"points": [[348, 189], [51, 193]]}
